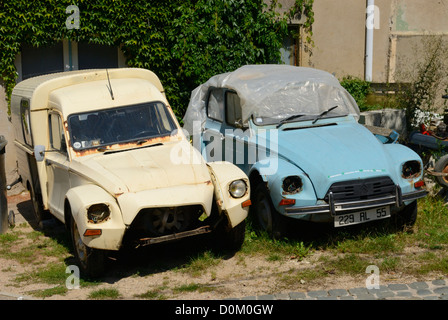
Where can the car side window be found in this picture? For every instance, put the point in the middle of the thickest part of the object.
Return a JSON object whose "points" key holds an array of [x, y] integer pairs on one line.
{"points": [[233, 110], [215, 104], [25, 117], [57, 138]]}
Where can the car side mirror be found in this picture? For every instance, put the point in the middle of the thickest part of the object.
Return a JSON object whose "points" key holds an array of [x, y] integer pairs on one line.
{"points": [[239, 124], [39, 153]]}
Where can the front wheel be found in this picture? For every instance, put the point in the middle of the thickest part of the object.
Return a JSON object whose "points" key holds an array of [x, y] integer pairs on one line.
{"points": [[407, 217], [263, 211], [91, 261], [230, 238]]}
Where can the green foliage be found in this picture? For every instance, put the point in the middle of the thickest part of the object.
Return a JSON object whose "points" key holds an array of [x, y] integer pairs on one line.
{"points": [[359, 89], [183, 42]]}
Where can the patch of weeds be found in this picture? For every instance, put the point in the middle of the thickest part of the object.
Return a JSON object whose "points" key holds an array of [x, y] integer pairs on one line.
{"points": [[274, 257], [53, 273], [201, 263], [30, 247], [151, 295], [390, 264], [372, 243], [46, 293], [192, 287], [24, 256], [431, 223], [259, 242], [350, 263], [8, 238], [431, 262], [302, 276], [105, 294]]}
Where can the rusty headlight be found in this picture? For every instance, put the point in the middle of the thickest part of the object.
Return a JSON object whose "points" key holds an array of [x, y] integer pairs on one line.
{"points": [[292, 185], [238, 188], [411, 169], [98, 213]]}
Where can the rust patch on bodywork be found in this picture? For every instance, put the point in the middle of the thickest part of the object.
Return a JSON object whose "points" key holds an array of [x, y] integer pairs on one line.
{"points": [[123, 146], [174, 236]]}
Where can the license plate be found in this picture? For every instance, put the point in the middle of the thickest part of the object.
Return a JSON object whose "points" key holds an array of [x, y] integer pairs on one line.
{"points": [[362, 216]]}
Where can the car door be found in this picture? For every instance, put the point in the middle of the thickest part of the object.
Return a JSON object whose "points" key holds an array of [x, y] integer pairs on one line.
{"points": [[57, 164], [213, 134], [225, 137]]}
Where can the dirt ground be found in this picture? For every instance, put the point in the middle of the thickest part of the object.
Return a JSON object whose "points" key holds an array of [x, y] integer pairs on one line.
{"points": [[160, 271]]}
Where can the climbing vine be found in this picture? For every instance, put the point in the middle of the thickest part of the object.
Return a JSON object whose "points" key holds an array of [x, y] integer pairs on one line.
{"points": [[183, 42]]}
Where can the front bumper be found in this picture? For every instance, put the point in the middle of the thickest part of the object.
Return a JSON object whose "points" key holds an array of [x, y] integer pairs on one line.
{"points": [[337, 208]]}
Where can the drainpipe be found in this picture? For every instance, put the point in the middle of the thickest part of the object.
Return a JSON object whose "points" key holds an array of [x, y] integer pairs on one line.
{"points": [[70, 62], [370, 26]]}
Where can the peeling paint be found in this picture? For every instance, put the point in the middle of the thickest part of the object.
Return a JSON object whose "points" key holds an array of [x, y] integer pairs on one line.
{"points": [[401, 23]]}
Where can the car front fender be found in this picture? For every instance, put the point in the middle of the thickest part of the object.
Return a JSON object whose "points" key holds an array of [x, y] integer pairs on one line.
{"points": [[306, 195], [112, 229], [223, 174]]}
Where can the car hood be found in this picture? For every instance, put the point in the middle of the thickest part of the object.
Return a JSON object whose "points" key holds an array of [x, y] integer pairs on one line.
{"points": [[333, 153], [144, 168]]}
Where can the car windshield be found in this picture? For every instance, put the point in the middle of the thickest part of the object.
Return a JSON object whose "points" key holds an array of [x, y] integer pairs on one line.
{"points": [[302, 102], [120, 125]]}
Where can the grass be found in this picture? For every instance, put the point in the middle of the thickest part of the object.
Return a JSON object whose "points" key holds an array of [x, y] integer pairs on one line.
{"points": [[422, 252], [201, 263], [192, 287], [275, 249], [155, 294], [105, 294]]}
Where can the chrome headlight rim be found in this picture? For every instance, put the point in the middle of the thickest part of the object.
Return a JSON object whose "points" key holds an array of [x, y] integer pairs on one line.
{"points": [[238, 188]]}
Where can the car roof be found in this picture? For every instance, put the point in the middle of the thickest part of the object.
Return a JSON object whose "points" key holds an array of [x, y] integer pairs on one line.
{"points": [[266, 89], [38, 89]]}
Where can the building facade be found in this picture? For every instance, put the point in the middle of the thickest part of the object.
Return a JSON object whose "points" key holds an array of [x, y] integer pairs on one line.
{"points": [[400, 28]]}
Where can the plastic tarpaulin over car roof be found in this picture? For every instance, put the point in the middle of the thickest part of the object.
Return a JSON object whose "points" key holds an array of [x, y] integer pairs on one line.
{"points": [[275, 92]]}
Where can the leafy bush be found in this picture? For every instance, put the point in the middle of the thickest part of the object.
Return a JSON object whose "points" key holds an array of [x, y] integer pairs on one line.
{"points": [[359, 89]]}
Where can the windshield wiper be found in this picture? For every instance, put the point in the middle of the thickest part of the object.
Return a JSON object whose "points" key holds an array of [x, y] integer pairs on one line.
{"points": [[289, 119], [323, 113], [124, 150]]}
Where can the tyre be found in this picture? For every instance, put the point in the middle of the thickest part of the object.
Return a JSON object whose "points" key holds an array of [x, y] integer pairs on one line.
{"points": [[90, 261], [38, 209], [265, 216], [230, 238], [407, 216], [442, 167]]}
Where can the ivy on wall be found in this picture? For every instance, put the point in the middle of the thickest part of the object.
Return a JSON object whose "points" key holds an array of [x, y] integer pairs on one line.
{"points": [[183, 42]]}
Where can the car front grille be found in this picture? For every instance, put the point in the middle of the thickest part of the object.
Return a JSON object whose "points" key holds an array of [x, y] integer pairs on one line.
{"points": [[367, 189]]}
